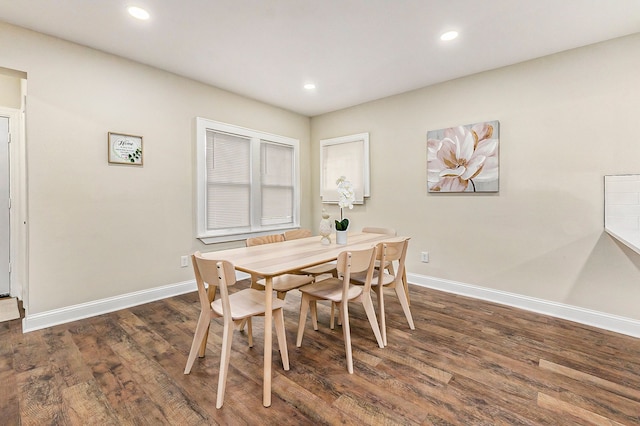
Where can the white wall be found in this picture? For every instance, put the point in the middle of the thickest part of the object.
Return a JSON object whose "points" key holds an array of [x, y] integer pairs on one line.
{"points": [[98, 230], [566, 121]]}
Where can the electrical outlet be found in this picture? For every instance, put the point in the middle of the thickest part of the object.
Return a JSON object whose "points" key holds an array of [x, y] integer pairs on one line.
{"points": [[184, 261], [424, 256]]}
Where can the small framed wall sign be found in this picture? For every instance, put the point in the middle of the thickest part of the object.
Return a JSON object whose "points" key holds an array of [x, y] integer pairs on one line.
{"points": [[125, 149]]}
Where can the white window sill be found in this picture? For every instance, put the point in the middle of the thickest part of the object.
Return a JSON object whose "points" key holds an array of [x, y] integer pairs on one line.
{"points": [[241, 237]]}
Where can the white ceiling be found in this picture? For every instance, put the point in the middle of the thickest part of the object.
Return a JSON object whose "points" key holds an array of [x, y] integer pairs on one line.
{"points": [[353, 50]]}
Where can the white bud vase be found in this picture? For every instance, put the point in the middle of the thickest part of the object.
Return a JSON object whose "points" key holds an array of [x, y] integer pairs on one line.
{"points": [[341, 237]]}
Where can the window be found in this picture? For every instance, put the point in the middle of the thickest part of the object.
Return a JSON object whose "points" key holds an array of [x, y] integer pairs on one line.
{"points": [[247, 182], [344, 156]]}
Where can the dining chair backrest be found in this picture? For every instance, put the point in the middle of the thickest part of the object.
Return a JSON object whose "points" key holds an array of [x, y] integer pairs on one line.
{"points": [[375, 230], [294, 234], [265, 239], [220, 274], [355, 261], [212, 281], [392, 251]]}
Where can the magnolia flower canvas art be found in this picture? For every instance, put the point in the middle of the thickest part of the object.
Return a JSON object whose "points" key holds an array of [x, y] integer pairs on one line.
{"points": [[463, 158]]}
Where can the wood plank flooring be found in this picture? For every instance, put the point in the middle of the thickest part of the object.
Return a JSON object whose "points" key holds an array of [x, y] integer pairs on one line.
{"points": [[468, 362]]}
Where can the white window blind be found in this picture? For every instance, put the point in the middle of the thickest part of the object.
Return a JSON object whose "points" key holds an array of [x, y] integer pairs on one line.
{"points": [[346, 156], [277, 183], [247, 182], [228, 181]]}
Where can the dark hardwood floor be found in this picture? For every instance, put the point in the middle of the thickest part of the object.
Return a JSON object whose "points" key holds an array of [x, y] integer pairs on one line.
{"points": [[467, 363]]}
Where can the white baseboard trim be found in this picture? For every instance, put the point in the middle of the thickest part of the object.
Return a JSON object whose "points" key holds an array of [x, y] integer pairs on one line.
{"points": [[103, 306], [628, 326]]}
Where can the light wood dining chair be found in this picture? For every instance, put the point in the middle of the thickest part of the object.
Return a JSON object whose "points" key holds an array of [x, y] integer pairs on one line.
{"points": [[390, 251], [295, 234], [340, 291], [325, 268], [389, 266], [238, 306], [385, 231], [370, 230], [376, 230], [282, 283]]}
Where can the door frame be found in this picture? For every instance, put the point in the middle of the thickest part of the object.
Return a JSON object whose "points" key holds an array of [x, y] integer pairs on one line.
{"points": [[5, 206], [18, 228]]}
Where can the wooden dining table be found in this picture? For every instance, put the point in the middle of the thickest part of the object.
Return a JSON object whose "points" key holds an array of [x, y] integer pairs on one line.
{"points": [[271, 260]]}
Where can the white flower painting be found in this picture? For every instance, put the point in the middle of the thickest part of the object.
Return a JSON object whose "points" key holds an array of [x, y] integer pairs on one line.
{"points": [[463, 158]]}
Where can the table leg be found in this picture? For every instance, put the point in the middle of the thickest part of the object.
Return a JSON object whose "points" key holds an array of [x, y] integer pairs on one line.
{"points": [[268, 317]]}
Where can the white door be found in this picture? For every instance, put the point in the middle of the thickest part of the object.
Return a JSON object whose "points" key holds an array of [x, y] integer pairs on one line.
{"points": [[4, 206]]}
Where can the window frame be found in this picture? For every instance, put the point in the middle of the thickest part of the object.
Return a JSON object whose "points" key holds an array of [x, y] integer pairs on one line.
{"points": [[256, 137], [358, 145]]}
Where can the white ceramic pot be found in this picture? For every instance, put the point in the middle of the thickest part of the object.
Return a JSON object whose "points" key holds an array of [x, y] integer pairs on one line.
{"points": [[341, 237]]}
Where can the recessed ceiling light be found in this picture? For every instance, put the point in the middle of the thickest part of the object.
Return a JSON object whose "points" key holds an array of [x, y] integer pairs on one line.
{"points": [[138, 13], [449, 35], [309, 86]]}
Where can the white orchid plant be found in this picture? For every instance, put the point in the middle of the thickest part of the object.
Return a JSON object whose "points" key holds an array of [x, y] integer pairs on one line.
{"points": [[346, 198]]}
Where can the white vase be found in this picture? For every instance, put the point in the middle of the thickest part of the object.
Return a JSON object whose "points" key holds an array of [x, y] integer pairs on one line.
{"points": [[325, 229], [341, 237]]}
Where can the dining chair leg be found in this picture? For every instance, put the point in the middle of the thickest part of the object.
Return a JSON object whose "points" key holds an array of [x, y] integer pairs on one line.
{"points": [[211, 296], [314, 314], [203, 345], [383, 318], [304, 308], [240, 324], [367, 303], [405, 283], [346, 332], [254, 283], [250, 332], [390, 269], [204, 320], [227, 338], [334, 307], [278, 318], [333, 314], [404, 302]]}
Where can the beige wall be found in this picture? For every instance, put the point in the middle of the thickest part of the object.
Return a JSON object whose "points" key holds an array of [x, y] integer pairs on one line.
{"points": [[9, 91], [98, 230], [566, 120]]}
